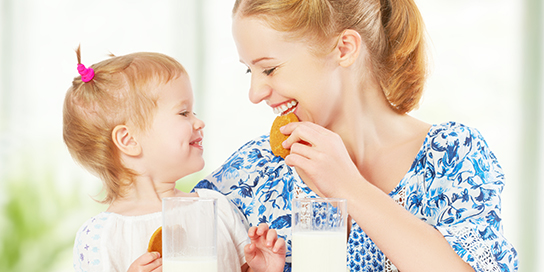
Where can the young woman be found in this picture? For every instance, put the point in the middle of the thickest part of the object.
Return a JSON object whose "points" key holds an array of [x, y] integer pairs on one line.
{"points": [[421, 197]]}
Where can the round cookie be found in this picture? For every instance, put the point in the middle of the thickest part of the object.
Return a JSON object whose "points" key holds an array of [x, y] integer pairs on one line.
{"points": [[155, 243], [277, 138]]}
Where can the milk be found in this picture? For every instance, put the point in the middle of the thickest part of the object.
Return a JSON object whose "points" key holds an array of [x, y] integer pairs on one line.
{"points": [[319, 251], [190, 264]]}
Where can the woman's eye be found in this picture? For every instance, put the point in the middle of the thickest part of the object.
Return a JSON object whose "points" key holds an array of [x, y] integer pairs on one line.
{"points": [[248, 71], [269, 71]]}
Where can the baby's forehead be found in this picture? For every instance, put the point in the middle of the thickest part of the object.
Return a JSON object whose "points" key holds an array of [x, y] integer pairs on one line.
{"points": [[175, 91]]}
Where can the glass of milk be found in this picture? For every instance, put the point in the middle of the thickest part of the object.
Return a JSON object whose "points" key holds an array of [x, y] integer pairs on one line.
{"points": [[189, 234], [319, 235]]}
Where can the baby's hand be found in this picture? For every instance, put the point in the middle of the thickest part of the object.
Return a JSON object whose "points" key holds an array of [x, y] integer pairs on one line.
{"points": [[266, 253], [149, 262]]}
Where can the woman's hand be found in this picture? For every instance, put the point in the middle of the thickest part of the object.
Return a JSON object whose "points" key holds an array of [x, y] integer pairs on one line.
{"points": [[266, 253], [320, 158], [148, 262]]}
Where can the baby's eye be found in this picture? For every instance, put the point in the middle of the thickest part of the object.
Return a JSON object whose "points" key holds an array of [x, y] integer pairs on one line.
{"points": [[269, 71], [187, 113]]}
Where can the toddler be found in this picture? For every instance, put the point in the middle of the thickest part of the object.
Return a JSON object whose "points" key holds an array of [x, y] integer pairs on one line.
{"points": [[130, 121]]}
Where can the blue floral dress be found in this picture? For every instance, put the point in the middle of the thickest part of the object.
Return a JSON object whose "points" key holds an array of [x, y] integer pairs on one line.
{"points": [[454, 184]]}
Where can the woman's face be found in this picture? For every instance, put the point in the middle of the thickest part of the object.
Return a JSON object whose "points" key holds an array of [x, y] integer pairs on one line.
{"points": [[286, 74]]}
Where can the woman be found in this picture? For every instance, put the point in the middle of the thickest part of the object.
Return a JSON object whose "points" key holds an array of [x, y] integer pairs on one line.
{"points": [[421, 197]]}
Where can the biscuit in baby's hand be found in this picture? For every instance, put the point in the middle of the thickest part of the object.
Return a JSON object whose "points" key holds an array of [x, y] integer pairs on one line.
{"points": [[155, 243], [277, 138]]}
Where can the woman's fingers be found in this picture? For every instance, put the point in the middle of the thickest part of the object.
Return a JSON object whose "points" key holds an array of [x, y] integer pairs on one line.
{"points": [[319, 156], [299, 132]]}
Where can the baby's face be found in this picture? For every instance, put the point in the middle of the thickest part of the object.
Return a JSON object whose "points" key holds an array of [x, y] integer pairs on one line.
{"points": [[172, 146]]}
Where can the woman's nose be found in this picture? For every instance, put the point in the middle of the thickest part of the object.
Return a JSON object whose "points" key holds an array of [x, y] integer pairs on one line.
{"points": [[259, 90]]}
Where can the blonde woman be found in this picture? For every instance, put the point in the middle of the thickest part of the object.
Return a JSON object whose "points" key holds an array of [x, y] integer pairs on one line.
{"points": [[421, 197]]}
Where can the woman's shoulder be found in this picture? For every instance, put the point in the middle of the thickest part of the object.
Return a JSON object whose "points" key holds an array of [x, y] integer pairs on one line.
{"points": [[454, 138], [452, 149], [452, 130]]}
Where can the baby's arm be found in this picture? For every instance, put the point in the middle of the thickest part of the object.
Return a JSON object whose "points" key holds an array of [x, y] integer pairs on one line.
{"points": [[266, 253], [149, 262]]}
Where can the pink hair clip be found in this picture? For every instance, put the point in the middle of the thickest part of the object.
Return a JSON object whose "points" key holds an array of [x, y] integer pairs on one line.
{"points": [[87, 74]]}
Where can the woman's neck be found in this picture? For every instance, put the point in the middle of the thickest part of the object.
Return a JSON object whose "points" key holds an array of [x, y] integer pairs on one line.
{"points": [[372, 130]]}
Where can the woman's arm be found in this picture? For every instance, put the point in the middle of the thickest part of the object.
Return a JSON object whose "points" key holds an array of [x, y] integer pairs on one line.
{"points": [[411, 244]]}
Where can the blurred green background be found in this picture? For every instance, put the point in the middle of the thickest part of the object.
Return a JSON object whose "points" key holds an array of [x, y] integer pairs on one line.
{"points": [[38, 223], [486, 61]]}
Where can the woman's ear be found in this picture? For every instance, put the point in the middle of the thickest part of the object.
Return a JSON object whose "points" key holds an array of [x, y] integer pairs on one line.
{"points": [[126, 142], [349, 47]]}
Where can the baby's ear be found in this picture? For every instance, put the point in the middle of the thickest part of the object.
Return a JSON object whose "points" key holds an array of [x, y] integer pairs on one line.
{"points": [[124, 139]]}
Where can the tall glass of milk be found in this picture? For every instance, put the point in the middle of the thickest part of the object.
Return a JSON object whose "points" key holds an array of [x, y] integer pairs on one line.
{"points": [[319, 235], [189, 234]]}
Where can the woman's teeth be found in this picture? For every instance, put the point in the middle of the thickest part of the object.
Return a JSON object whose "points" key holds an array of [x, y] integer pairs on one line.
{"points": [[285, 108]]}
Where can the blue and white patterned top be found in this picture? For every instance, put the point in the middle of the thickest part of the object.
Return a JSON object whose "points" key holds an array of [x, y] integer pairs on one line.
{"points": [[454, 184]]}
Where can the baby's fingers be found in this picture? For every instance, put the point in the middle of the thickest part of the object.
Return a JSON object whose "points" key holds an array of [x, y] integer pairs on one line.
{"points": [[148, 258], [262, 229], [149, 261], [271, 237], [280, 246], [249, 251], [252, 232]]}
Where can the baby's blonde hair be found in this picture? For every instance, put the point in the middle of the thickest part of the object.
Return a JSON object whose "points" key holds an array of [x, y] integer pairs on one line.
{"points": [[392, 30], [122, 92]]}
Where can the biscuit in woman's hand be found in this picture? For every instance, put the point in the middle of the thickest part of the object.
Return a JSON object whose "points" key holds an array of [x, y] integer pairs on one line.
{"points": [[277, 138], [155, 243]]}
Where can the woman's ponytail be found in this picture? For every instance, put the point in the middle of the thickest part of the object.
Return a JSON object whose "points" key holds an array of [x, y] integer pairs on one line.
{"points": [[404, 60]]}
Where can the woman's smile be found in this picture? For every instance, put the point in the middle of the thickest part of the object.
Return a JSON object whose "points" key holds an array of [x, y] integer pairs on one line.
{"points": [[285, 108]]}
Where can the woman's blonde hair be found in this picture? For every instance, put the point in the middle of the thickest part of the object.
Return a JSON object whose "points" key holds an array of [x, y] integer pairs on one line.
{"points": [[122, 91], [392, 30]]}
